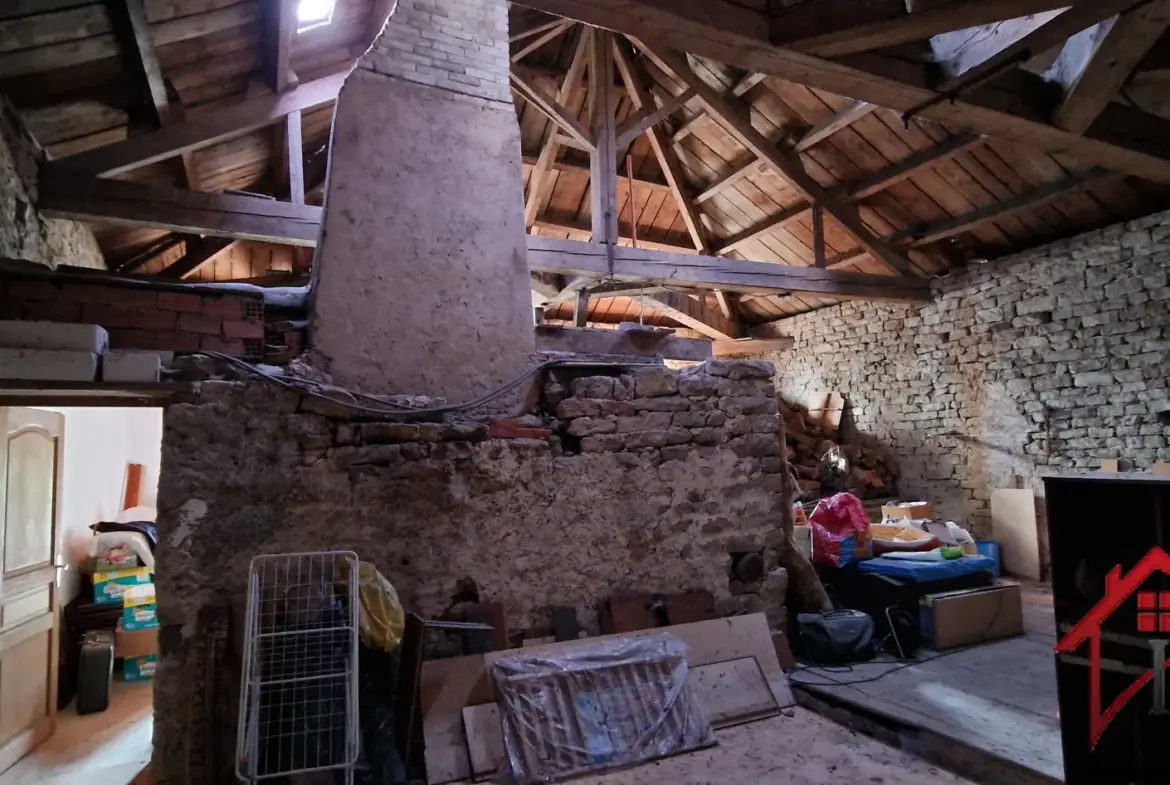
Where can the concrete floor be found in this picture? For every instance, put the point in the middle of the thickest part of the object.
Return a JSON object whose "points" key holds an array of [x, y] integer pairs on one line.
{"points": [[109, 748], [989, 712]]}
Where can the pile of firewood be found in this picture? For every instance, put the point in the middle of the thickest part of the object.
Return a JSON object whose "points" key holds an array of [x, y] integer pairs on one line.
{"points": [[867, 475]]}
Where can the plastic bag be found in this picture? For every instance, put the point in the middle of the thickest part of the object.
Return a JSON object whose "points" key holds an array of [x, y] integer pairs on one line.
{"points": [[597, 706], [381, 619], [840, 530]]}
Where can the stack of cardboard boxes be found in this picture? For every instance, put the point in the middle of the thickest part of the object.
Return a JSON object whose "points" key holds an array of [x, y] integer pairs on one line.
{"points": [[136, 637]]}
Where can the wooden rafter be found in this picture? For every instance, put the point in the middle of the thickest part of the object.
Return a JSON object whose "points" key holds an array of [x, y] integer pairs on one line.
{"points": [[785, 163], [200, 251], [1122, 140], [176, 210], [556, 30], [831, 28], [650, 115], [567, 257], [150, 254], [294, 152], [582, 231], [603, 158], [539, 185], [227, 123], [280, 25], [537, 29], [861, 188], [1095, 63], [553, 109]]}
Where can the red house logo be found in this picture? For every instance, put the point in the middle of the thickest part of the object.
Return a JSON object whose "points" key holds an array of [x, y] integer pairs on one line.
{"points": [[1153, 618]]}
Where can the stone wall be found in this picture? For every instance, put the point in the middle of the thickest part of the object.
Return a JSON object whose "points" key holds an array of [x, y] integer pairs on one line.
{"points": [[24, 234], [650, 481], [1048, 360]]}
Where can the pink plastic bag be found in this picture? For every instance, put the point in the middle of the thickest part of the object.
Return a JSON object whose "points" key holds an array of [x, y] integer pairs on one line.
{"points": [[840, 529]]}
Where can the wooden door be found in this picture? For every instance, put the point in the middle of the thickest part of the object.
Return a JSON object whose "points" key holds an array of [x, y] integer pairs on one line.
{"points": [[30, 466]]}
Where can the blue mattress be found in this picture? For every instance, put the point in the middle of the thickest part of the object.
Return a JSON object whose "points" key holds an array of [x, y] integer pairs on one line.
{"points": [[924, 571]]}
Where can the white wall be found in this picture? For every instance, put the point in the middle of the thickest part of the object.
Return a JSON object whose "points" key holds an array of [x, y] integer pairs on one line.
{"points": [[99, 443]]}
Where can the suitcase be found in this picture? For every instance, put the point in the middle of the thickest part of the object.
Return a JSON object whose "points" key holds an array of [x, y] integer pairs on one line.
{"points": [[95, 671]]}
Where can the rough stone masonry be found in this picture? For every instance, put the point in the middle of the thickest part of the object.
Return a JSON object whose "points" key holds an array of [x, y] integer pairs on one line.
{"points": [[1048, 360], [648, 481]]}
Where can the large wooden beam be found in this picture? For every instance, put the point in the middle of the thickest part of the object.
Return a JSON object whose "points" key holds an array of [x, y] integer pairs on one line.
{"points": [[176, 210], [550, 338], [736, 37], [539, 184], [859, 189], [243, 118], [584, 232], [1095, 63], [567, 257], [552, 109], [693, 312], [542, 39], [603, 159], [200, 251], [280, 26], [649, 116], [785, 163], [831, 28]]}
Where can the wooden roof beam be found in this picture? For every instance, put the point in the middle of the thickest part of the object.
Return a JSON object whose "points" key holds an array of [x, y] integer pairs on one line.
{"points": [[139, 151], [831, 28], [200, 251], [176, 210], [567, 257], [1096, 62], [785, 163], [1008, 112], [553, 109], [280, 25], [603, 203], [584, 232], [555, 31]]}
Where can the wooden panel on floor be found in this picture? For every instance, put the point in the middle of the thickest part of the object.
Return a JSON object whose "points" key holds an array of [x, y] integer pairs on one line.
{"points": [[485, 740], [1014, 527], [733, 692]]}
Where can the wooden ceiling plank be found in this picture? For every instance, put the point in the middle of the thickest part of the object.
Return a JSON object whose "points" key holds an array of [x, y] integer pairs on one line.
{"points": [[559, 28], [546, 254], [209, 129], [831, 28], [176, 210], [553, 109], [200, 251], [150, 254], [1008, 112], [1095, 63], [785, 163]]}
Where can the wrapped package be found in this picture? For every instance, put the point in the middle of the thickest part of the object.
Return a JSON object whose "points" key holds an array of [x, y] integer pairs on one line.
{"points": [[840, 530], [596, 707]]}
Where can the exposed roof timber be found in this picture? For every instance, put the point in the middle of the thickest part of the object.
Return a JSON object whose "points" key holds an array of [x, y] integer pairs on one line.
{"points": [[1007, 112], [741, 87], [537, 29], [541, 40], [623, 182], [831, 28], [200, 251], [922, 235], [862, 187], [751, 347], [785, 163], [553, 109], [649, 116], [1096, 62], [584, 232], [694, 313], [567, 257], [237, 120], [280, 25], [550, 338], [151, 253], [603, 202], [176, 210], [539, 184]]}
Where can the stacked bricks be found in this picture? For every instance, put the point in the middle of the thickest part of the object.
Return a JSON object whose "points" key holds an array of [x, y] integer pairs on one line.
{"points": [[141, 317], [455, 45], [1046, 361]]}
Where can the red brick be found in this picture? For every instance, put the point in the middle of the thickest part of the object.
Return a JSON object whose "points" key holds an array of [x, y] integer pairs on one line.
{"points": [[178, 301], [198, 323], [178, 342], [153, 320], [295, 339], [236, 329], [133, 299], [104, 315], [86, 293], [224, 307], [32, 289], [133, 339], [11, 310], [211, 343], [278, 355], [53, 311]]}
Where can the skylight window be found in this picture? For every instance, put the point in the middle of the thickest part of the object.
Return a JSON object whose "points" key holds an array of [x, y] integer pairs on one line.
{"points": [[313, 13]]}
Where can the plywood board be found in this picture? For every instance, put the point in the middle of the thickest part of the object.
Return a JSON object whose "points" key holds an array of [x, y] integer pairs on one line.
{"points": [[1014, 527], [485, 740], [732, 692]]}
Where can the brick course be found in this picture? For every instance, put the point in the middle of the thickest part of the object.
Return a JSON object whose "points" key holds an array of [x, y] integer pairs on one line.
{"points": [[1045, 361]]}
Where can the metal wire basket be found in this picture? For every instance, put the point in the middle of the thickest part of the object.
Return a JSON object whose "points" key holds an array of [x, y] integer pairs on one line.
{"points": [[298, 697]]}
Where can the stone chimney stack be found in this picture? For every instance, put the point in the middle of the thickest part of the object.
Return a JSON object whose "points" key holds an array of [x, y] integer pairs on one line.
{"points": [[421, 275]]}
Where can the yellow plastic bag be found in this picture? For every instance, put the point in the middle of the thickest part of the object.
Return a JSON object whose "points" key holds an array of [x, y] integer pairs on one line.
{"points": [[381, 619]]}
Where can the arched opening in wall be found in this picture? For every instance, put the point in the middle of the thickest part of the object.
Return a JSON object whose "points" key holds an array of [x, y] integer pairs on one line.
{"points": [[78, 612]]}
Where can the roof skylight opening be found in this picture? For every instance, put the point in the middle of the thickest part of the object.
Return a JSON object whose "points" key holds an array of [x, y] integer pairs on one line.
{"points": [[313, 13]]}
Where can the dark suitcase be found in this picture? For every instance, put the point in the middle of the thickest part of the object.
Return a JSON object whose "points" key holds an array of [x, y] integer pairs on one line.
{"points": [[95, 671]]}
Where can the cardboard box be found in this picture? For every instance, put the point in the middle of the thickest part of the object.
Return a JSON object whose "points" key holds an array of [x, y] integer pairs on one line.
{"points": [[139, 611], [135, 643], [139, 668], [910, 511], [960, 618], [109, 586]]}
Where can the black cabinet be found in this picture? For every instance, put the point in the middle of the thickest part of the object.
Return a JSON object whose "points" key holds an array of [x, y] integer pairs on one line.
{"points": [[1098, 523]]}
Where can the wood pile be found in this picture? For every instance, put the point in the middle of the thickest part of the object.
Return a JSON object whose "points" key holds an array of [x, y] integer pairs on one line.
{"points": [[868, 475]]}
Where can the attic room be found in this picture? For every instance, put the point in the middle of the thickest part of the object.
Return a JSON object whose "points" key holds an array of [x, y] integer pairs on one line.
{"points": [[609, 391]]}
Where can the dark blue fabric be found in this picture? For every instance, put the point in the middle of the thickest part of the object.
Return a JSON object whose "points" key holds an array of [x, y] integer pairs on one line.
{"points": [[923, 571]]}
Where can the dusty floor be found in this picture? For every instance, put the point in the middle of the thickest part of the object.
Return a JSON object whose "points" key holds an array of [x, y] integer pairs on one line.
{"points": [[997, 700], [108, 748]]}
